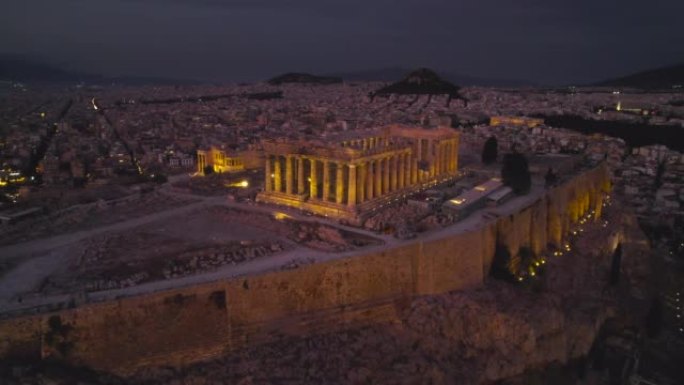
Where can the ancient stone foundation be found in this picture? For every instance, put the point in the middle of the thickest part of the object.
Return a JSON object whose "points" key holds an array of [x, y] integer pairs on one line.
{"points": [[185, 325]]}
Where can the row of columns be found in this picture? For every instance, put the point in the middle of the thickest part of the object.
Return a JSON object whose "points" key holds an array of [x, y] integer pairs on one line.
{"points": [[355, 182], [367, 143], [446, 157], [201, 162]]}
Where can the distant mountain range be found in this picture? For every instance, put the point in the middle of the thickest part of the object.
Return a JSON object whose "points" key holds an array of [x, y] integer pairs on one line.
{"points": [[660, 78], [422, 81], [393, 73], [303, 78], [28, 69]]}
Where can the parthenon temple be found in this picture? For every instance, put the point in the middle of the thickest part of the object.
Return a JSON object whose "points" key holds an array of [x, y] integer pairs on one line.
{"points": [[351, 174]]}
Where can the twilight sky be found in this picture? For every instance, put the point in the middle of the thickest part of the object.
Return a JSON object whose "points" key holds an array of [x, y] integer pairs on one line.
{"points": [[545, 41]]}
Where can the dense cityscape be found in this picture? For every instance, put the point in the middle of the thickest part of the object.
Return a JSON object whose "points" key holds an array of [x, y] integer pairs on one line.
{"points": [[205, 192], [101, 182]]}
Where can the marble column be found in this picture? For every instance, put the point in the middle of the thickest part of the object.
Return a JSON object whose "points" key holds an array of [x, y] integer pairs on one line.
{"points": [[313, 184], [339, 185], [361, 184], [300, 175], [288, 175], [402, 172], [378, 178], [278, 175], [437, 158], [447, 157], [443, 155], [351, 190], [326, 180], [433, 162], [454, 156], [407, 169], [393, 173], [268, 186], [385, 175], [370, 179], [414, 171]]}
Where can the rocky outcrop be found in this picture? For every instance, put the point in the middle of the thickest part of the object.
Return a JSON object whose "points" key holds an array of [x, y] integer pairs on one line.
{"points": [[362, 290], [468, 337]]}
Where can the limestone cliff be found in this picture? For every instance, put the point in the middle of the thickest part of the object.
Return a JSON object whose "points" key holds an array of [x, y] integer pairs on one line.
{"points": [[185, 325]]}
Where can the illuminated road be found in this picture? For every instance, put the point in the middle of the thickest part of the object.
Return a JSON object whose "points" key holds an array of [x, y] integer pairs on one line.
{"points": [[134, 161]]}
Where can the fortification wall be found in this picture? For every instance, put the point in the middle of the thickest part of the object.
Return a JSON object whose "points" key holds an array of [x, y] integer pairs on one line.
{"points": [[184, 325]]}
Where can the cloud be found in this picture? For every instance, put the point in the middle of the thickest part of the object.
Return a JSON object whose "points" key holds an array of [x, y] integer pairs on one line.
{"points": [[551, 39]]}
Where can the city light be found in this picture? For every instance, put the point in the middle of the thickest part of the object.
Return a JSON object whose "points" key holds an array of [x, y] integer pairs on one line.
{"points": [[375, 209], [281, 216]]}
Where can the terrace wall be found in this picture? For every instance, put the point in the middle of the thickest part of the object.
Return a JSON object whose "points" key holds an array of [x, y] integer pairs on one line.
{"points": [[184, 325]]}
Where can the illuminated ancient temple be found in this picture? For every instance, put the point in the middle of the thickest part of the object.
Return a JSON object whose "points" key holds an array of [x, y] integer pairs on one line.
{"points": [[218, 160], [351, 174]]}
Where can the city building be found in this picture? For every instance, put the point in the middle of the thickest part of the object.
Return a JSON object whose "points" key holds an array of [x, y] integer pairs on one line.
{"points": [[515, 121], [476, 198], [350, 174]]}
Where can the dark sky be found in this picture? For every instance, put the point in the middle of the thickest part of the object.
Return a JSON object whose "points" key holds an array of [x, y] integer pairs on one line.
{"points": [[545, 41]]}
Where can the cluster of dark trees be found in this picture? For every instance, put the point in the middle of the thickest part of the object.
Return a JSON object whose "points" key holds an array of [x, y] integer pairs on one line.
{"points": [[635, 134], [515, 171], [490, 151]]}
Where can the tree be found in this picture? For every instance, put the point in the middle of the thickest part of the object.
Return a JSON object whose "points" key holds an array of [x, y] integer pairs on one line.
{"points": [[515, 173], [550, 178], [490, 150], [500, 265]]}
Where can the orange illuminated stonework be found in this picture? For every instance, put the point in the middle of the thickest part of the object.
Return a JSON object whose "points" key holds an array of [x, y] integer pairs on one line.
{"points": [[218, 160], [348, 175], [515, 121]]}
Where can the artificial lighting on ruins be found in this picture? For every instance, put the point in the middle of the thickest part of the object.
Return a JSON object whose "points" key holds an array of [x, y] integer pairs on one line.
{"points": [[351, 174], [242, 183], [281, 216]]}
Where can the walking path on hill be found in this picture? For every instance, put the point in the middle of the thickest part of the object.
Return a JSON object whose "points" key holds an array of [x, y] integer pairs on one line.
{"points": [[42, 245], [42, 257], [29, 274]]}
